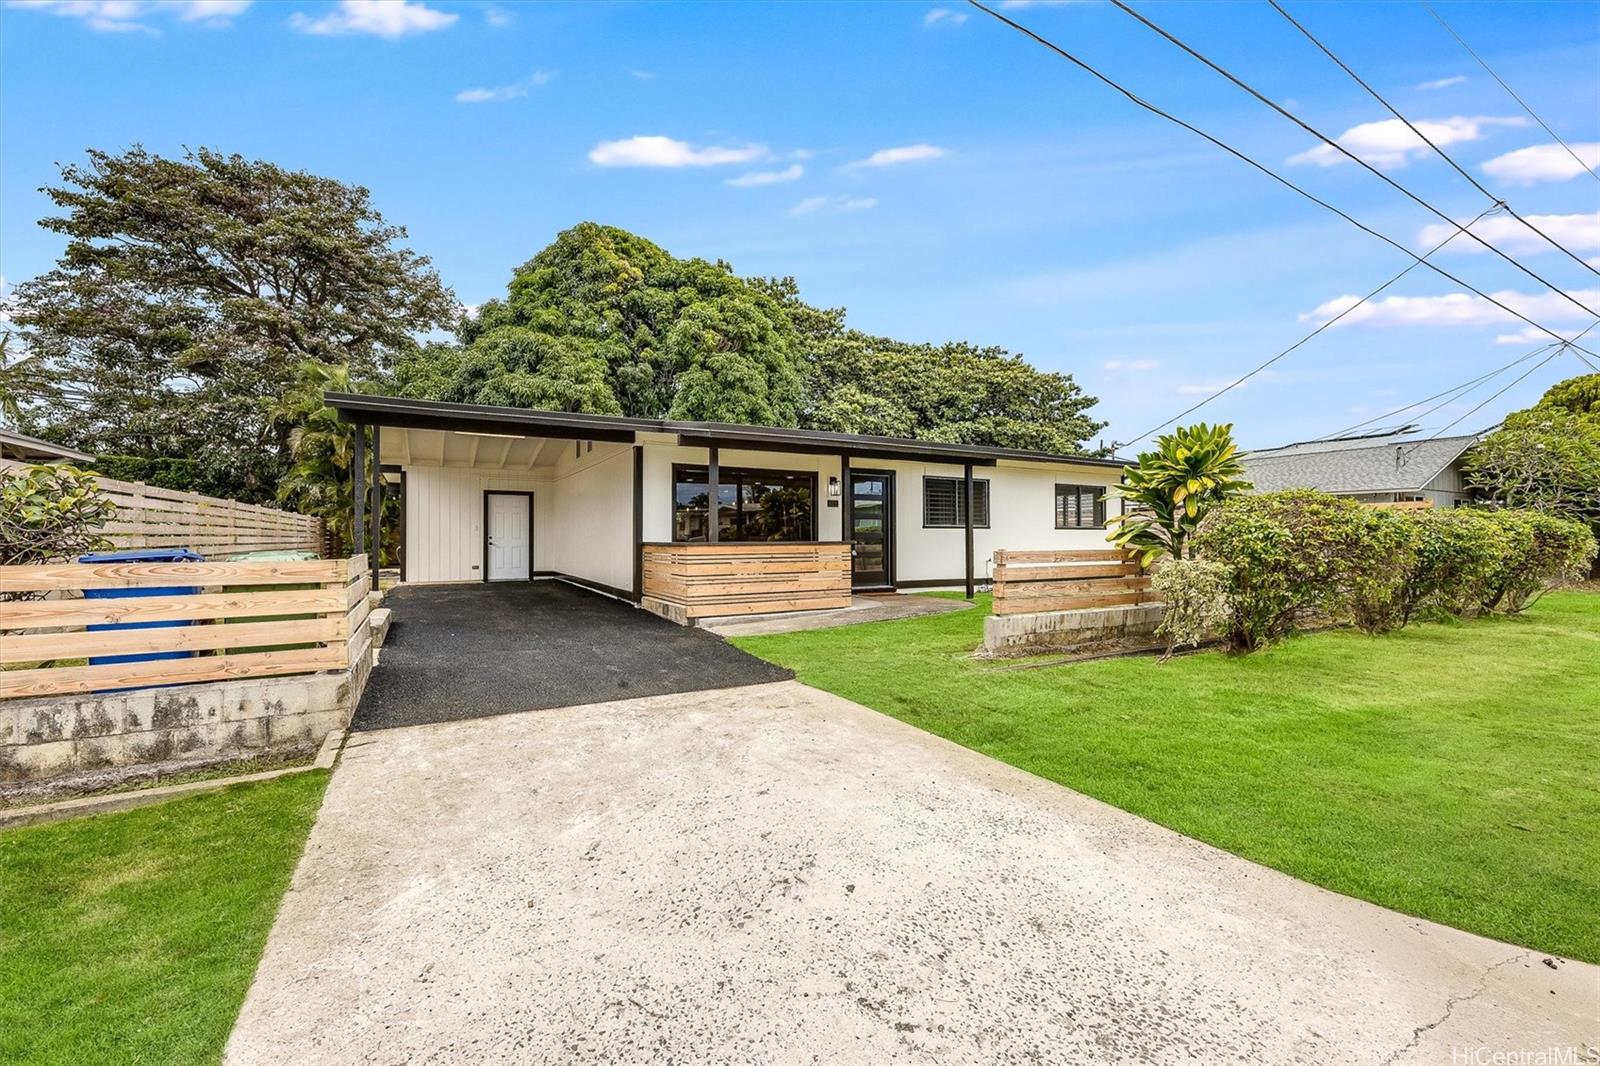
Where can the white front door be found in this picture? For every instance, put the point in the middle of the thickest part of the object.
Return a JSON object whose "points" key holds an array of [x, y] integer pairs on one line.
{"points": [[510, 536]]}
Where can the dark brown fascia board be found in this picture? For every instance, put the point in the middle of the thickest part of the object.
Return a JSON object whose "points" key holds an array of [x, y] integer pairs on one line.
{"points": [[479, 418]]}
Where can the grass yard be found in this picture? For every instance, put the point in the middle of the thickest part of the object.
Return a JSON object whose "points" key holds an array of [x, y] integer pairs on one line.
{"points": [[1448, 771], [132, 937]]}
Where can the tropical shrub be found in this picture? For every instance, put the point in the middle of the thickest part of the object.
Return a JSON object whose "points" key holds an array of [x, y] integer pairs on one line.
{"points": [[1541, 550], [1196, 595], [48, 514], [1458, 553], [1169, 493]]}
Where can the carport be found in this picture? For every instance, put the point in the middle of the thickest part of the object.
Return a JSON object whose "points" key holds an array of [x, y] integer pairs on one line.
{"points": [[472, 650]]}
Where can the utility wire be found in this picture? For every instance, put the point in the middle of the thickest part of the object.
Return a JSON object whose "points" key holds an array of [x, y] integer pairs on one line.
{"points": [[1120, 5], [1454, 393], [1511, 92], [1258, 369], [1428, 140], [1274, 175], [1520, 378]]}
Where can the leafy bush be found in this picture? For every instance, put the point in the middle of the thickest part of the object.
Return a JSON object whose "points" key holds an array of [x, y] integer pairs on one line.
{"points": [[1458, 553], [1172, 488], [1539, 550], [50, 513], [1296, 552], [1196, 596]]}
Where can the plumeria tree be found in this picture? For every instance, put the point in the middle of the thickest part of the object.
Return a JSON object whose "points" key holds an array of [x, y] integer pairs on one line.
{"points": [[1169, 492]]}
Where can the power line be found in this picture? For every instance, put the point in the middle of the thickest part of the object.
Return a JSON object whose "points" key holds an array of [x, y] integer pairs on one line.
{"points": [[1510, 91], [1428, 140], [1120, 5], [1455, 392], [1520, 378], [1241, 380], [1274, 175]]}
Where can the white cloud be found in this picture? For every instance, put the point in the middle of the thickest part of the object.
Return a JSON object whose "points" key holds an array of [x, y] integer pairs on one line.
{"points": [[381, 18], [944, 16], [910, 153], [768, 177], [504, 92], [1542, 162], [666, 152], [123, 16], [498, 17], [1452, 309], [1581, 233], [1132, 364], [832, 204], [643, 75], [1443, 83], [1391, 143]]}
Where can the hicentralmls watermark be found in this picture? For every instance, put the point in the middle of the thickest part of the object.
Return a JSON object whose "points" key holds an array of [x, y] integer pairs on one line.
{"points": [[1538, 1056]]}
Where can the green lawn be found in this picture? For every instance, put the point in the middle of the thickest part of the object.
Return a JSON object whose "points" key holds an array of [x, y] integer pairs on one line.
{"points": [[1449, 771], [132, 937]]}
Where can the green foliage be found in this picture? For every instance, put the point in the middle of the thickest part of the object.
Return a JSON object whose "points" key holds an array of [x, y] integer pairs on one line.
{"points": [[1579, 395], [1195, 592], [1457, 555], [189, 291], [1542, 459], [1537, 551], [607, 322], [50, 514], [1191, 469]]}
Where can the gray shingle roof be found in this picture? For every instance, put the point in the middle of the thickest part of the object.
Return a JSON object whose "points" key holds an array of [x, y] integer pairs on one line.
{"points": [[1392, 463]]}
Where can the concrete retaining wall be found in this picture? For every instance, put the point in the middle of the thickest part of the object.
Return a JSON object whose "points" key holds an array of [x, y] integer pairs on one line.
{"points": [[56, 736], [1026, 634]]}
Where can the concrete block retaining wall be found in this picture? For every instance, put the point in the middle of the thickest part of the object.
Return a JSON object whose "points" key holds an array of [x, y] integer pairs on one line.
{"points": [[56, 736], [1026, 634]]}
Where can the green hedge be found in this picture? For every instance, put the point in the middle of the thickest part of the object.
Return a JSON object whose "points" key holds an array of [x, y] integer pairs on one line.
{"points": [[1301, 553]]}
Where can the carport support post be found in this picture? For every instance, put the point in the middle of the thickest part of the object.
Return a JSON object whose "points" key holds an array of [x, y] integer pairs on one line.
{"points": [[714, 493], [966, 488], [358, 488], [378, 508], [846, 534]]}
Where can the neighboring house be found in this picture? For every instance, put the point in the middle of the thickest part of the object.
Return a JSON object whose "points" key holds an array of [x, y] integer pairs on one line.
{"points": [[1392, 467], [26, 449], [497, 493]]}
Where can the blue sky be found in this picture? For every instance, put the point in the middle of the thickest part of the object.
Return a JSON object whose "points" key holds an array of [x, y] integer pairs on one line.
{"points": [[922, 165]]}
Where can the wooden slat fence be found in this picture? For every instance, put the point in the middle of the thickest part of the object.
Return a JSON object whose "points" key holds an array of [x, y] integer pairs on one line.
{"points": [[1402, 505], [151, 517], [252, 620], [707, 580], [1030, 581]]}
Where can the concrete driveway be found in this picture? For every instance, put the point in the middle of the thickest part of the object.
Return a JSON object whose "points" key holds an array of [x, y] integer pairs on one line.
{"points": [[771, 874]]}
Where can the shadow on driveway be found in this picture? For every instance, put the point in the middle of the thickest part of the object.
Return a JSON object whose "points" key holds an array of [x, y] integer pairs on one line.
{"points": [[466, 651]]}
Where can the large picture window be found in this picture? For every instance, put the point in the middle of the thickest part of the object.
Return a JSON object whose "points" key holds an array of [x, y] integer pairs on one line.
{"points": [[1080, 506], [751, 504], [944, 503]]}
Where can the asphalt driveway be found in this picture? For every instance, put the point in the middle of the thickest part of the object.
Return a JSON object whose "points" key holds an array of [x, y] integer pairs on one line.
{"points": [[465, 651], [772, 874]]}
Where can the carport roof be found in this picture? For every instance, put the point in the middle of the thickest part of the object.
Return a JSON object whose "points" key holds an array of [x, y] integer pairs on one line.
{"points": [[482, 418]]}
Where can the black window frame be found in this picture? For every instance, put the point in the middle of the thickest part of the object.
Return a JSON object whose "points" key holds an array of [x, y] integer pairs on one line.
{"points": [[982, 502], [1099, 513], [732, 475]]}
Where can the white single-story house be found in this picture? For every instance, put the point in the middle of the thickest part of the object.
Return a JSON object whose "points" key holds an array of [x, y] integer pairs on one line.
{"points": [[1394, 466], [621, 505]]}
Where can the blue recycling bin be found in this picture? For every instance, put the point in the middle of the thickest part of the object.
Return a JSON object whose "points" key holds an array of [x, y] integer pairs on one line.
{"points": [[142, 555]]}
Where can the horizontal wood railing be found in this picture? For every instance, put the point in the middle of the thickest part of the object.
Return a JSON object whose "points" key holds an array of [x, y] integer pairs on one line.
{"points": [[151, 517], [706, 580], [1030, 581], [248, 623]]}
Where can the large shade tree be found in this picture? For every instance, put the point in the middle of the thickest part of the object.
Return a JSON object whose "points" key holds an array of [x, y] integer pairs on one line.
{"points": [[191, 289], [607, 322]]}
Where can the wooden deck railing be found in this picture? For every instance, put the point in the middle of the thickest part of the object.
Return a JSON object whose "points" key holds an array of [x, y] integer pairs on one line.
{"points": [[1029, 581], [252, 620], [689, 581]]}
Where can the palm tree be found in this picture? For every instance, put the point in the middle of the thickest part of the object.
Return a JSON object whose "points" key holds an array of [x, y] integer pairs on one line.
{"points": [[323, 448]]}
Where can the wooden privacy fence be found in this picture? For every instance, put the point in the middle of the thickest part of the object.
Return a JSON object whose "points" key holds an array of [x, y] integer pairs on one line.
{"points": [[150, 517], [1031, 581], [251, 620], [1402, 505], [706, 580]]}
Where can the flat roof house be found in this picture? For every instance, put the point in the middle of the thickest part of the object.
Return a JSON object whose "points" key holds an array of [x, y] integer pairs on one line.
{"points": [[802, 517], [1389, 467]]}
